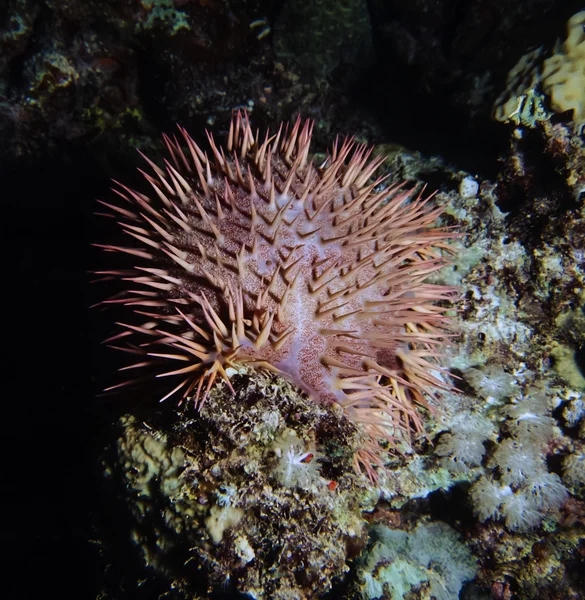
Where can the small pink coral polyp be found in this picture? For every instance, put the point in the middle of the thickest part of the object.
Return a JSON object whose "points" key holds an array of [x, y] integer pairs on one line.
{"points": [[251, 255]]}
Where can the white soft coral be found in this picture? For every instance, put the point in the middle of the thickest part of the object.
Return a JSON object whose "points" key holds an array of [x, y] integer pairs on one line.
{"points": [[516, 461], [297, 465], [529, 418], [464, 446], [520, 489], [547, 491], [488, 496]]}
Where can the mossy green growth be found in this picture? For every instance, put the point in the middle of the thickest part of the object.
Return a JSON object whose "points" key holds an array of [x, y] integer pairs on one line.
{"points": [[162, 13], [565, 364], [104, 120]]}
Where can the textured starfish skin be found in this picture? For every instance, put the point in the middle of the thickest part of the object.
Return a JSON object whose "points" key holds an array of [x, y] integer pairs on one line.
{"points": [[252, 255]]}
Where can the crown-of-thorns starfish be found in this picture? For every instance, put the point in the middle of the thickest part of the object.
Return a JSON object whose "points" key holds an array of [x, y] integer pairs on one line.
{"points": [[251, 255]]}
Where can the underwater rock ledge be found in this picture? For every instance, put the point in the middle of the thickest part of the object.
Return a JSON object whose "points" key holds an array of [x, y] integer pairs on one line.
{"points": [[255, 493]]}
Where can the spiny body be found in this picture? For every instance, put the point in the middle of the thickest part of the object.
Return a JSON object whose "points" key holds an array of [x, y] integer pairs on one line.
{"points": [[252, 255]]}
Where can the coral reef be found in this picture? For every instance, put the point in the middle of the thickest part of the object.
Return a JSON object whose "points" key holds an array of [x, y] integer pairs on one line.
{"points": [[106, 76], [498, 480], [134, 67], [560, 78], [85, 82], [456, 58], [257, 493], [512, 441]]}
